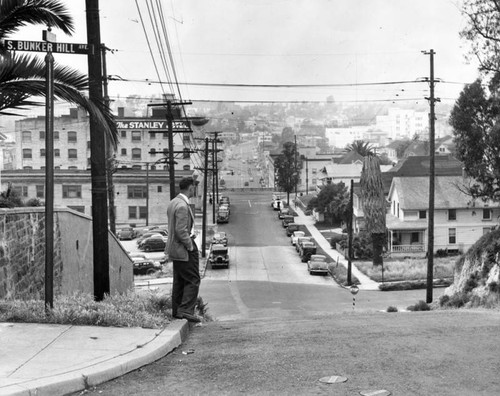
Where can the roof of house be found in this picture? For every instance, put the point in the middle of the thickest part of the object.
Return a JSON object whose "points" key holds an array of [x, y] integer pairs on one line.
{"points": [[351, 157], [419, 165], [413, 193]]}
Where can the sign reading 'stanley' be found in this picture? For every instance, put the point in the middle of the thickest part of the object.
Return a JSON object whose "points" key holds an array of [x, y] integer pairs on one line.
{"points": [[153, 124], [42, 46]]}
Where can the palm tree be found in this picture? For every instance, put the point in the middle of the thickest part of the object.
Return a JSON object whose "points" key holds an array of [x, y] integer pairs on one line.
{"points": [[372, 195], [22, 77], [361, 147]]}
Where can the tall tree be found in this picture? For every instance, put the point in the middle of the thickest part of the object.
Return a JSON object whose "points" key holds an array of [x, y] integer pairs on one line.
{"points": [[361, 147], [333, 201], [287, 176], [22, 77], [476, 131], [374, 206], [483, 32]]}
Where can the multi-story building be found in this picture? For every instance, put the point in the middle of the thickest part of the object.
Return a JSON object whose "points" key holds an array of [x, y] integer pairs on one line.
{"points": [[402, 124]]}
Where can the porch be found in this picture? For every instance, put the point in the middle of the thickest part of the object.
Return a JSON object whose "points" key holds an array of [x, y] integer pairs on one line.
{"points": [[405, 238]]}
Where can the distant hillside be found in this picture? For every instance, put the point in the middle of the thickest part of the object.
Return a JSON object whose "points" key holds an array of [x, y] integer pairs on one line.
{"points": [[477, 275]]}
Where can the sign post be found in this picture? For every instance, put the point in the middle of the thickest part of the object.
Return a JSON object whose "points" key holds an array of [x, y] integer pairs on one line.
{"points": [[49, 46]]}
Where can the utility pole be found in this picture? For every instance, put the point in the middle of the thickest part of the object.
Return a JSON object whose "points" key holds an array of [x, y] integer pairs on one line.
{"points": [[204, 222], [430, 228], [97, 158], [350, 231], [215, 140], [295, 165], [307, 177], [109, 149]]}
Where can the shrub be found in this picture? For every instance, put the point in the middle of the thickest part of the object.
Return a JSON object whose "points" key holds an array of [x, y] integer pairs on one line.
{"points": [[456, 300], [362, 247], [392, 309], [442, 253], [336, 238], [420, 306], [494, 287], [471, 283]]}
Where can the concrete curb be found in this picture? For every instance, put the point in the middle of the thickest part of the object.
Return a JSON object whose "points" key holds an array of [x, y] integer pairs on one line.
{"points": [[165, 341]]}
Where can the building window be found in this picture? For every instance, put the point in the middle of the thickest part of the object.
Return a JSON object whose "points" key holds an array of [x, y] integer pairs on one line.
{"points": [[186, 154], [159, 189], [27, 167], [27, 154], [452, 235], [124, 134], [57, 153], [56, 135], [152, 152], [72, 153], [165, 135], [80, 209], [486, 214], [137, 167], [415, 237], [186, 137], [40, 191], [72, 137], [143, 212], [72, 167], [124, 151], [42, 135], [26, 137], [136, 153], [132, 212], [22, 191], [42, 152], [422, 214], [137, 192], [152, 135], [72, 191], [452, 214], [136, 136]]}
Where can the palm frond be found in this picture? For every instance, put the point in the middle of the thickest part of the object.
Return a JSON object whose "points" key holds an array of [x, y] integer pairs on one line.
{"points": [[23, 77], [15, 14]]}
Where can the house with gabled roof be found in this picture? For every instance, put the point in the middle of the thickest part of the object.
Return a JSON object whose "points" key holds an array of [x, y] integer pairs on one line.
{"points": [[459, 221]]}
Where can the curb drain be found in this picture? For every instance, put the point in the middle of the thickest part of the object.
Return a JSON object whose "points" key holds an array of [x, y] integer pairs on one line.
{"points": [[381, 392], [334, 379]]}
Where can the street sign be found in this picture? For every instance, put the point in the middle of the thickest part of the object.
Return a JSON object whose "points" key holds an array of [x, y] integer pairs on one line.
{"points": [[42, 46]]}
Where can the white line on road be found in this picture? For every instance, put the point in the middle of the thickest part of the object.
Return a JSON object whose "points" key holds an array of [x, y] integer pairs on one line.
{"points": [[249, 203]]}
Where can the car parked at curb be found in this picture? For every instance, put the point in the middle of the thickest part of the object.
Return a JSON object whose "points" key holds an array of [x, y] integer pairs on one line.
{"points": [[317, 264], [284, 212], [301, 240], [292, 227], [149, 234], [306, 250], [295, 236], [287, 219], [220, 238], [219, 256]]}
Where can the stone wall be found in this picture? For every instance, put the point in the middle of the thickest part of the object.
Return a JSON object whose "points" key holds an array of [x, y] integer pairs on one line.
{"points": [[22, 254]]}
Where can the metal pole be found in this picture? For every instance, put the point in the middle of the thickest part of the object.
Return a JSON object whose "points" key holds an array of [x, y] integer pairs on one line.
{"points": [[205, 186], [49, 181], [98, 159], [213, 182], [430, 242], [147, 194], [350, 230], [307, 177], [216, 168], [295, 165], [171, 169]]}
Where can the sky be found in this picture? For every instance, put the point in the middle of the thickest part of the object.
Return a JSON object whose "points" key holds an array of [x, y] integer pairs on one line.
{"points": [[280, 42]]}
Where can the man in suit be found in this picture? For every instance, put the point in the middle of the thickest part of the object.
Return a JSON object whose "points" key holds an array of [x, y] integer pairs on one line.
{"points": [[182, 250]]}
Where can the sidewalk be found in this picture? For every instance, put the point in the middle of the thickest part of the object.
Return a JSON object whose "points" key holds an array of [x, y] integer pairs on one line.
{"points": [[366, 282], [45, 359]]}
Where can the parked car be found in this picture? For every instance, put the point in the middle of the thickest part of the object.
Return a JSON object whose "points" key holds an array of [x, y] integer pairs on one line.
{"points": [[144, 266], [222, 216], [246, 184], [154, 243], [220, 238], [277, 204], [225, 207], [224, 200], [287, 219], [317, 264], [126, 233], [149, 234], [284, 212], [296, 235], [306, 250], [292, 227], [301, 240], [219, 256]]}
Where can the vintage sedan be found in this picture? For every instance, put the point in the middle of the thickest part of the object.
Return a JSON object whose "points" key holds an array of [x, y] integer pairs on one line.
{"points": [[155, 243], [148, 234], [220, 238], [296, 235], [284, 212], [301, 240], [126, 233], [317, 264], [144, 266], [219, 256], [306, 250], [292, 227]]}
